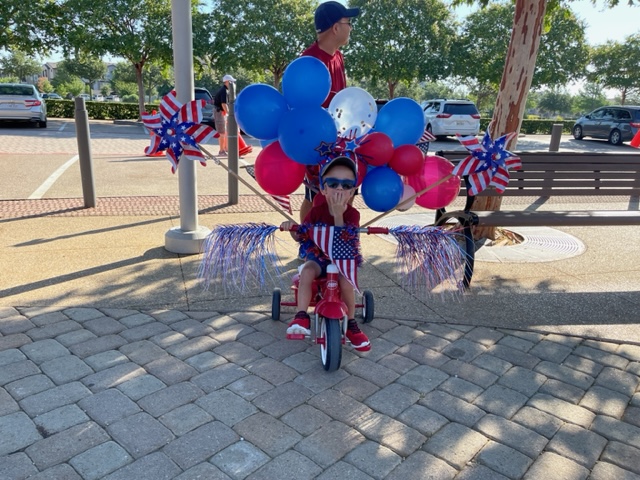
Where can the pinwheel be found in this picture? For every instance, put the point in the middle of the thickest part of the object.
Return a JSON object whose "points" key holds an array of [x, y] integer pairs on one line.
{"points": [[177, 130], [488, 164]]}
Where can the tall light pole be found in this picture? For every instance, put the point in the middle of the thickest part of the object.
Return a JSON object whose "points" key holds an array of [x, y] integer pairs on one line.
{"points": [[187, 238]]}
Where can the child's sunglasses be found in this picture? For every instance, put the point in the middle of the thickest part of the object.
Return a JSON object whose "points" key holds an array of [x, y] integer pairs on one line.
{"points": [[346, 184]]}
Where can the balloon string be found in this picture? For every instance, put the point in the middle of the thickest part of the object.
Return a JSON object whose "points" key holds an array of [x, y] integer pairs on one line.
{"points": [[248, 185], [408, 200]]}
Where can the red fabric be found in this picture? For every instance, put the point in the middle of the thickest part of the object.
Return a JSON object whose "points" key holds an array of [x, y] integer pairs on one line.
{"points": [[320, 214], [335, 64]]}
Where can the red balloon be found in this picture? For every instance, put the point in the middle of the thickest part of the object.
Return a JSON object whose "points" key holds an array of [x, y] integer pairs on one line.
{"points": [[435, 168], [375, 148], [407, 160], [276, 173]]}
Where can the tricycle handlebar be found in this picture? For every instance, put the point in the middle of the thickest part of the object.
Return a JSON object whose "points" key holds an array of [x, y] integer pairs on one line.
{"points": [[367, 230]]}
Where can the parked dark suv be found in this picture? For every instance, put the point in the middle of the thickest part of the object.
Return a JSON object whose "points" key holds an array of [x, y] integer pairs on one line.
{"points": [[616, 123]]}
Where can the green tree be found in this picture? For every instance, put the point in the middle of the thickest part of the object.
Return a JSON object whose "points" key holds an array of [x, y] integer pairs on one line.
{"points": [[155, 76], [400, 41], [123, 79], [71, 86], [88, 68], [18, 64], [615, 65], [32, 27], [136, 30], [44, 85], [555, 102], [562, 55], [589, 98], [261, 35]]}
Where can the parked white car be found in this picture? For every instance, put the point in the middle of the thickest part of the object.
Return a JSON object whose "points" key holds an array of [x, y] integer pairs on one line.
{"points": [[22, 103], [444, 117], [98, 97]]}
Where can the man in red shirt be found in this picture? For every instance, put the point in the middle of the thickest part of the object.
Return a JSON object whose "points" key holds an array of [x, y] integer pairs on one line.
{"points": [[333, 28]]}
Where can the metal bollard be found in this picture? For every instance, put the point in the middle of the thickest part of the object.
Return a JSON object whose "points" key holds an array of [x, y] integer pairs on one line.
{"points": [[84, 153], [556, 133], [232, 146]]}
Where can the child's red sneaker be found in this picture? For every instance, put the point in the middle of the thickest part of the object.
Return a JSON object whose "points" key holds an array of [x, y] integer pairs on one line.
{"points": [[358, 339], [301, 324]]}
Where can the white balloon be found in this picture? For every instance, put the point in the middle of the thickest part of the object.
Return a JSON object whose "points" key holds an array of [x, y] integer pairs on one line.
{"points": [[354, 110], [407, 193]]}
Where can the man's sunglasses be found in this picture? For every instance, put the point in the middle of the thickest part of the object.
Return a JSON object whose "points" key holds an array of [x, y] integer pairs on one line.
{"points": [[346, 184]]}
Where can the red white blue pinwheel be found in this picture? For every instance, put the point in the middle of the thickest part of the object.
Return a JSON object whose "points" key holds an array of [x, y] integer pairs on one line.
{"points": [[488, 164], [177, 130]]}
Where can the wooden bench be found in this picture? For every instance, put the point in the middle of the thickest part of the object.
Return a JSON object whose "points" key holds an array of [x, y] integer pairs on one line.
{"points": [[546, 175]]}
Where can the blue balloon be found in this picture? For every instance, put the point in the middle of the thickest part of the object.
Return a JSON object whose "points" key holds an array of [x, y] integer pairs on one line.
{"points": [[402, 120], [302, 132], [264, 143], [382, 189], [306, 82], [258, 110]]}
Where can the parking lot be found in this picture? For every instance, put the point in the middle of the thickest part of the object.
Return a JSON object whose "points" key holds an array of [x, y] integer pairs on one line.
{"points": [[43, 163]]}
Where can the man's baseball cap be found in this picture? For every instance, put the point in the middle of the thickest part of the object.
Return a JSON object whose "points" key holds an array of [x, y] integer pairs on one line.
{"points": [[228, 78], [329, 13], [342, 160]]}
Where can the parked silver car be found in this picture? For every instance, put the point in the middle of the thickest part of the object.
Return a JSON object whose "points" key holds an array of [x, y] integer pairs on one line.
{"points": [[22, 103], [616, 123]]}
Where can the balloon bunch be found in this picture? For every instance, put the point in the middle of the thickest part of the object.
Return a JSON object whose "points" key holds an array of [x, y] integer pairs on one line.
{"points": [[297, 133]]}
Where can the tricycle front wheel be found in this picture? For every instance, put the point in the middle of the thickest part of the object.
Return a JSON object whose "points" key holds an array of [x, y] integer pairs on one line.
{"points": [[331, 343]]}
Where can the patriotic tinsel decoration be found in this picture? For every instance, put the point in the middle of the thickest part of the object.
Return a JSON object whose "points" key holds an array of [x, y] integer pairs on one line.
{"points": [[488, 164], [242, 257], [428, 258]]}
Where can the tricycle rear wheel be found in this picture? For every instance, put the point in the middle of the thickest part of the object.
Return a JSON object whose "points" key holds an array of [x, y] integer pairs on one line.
{"points": [[275, 304], [367, 306], [331, 345]]}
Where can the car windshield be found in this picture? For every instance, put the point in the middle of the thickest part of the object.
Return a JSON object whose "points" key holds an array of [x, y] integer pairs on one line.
{"points": [[15, 90], [200, 95], [460, 109]]}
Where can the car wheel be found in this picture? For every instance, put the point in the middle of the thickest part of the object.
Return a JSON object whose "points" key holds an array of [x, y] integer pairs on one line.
{"points": [[615, 138], [430, 129], [42, 124], [577, 132]]}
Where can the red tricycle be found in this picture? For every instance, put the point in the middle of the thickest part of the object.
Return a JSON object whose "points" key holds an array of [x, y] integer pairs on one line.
{"points": [[329, 325]]}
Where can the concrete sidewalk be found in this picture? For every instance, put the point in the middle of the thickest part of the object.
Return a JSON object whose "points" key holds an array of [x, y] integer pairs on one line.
{"points": [[116, 364]]}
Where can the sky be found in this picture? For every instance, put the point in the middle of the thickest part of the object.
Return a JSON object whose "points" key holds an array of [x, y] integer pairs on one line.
{"points": [[602, 23]]}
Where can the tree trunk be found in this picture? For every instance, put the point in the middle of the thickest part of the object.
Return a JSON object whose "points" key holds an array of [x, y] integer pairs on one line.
{"points": [[514, 87]]}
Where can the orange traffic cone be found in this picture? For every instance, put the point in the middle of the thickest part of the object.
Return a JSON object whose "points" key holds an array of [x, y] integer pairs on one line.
{"points": [[243, 148], [635, 142]]}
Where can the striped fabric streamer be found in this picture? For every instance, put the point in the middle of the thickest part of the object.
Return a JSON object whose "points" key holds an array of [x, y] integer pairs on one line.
{"points": [[240, 258], [429, 259]]}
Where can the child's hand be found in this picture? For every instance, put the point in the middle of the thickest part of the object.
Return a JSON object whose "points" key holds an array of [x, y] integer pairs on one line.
{"points": [[286, 226], [337, 201]]}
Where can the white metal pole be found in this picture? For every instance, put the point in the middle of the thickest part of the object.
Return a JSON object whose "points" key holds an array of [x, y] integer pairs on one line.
{"points": [[188, 238]]}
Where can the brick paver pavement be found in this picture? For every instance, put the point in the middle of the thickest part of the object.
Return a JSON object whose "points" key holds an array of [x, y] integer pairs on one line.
{"points": [[124, 394]]}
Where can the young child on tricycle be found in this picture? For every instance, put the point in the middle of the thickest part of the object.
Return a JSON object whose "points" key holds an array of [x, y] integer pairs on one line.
{"points": [[338, 178]]}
